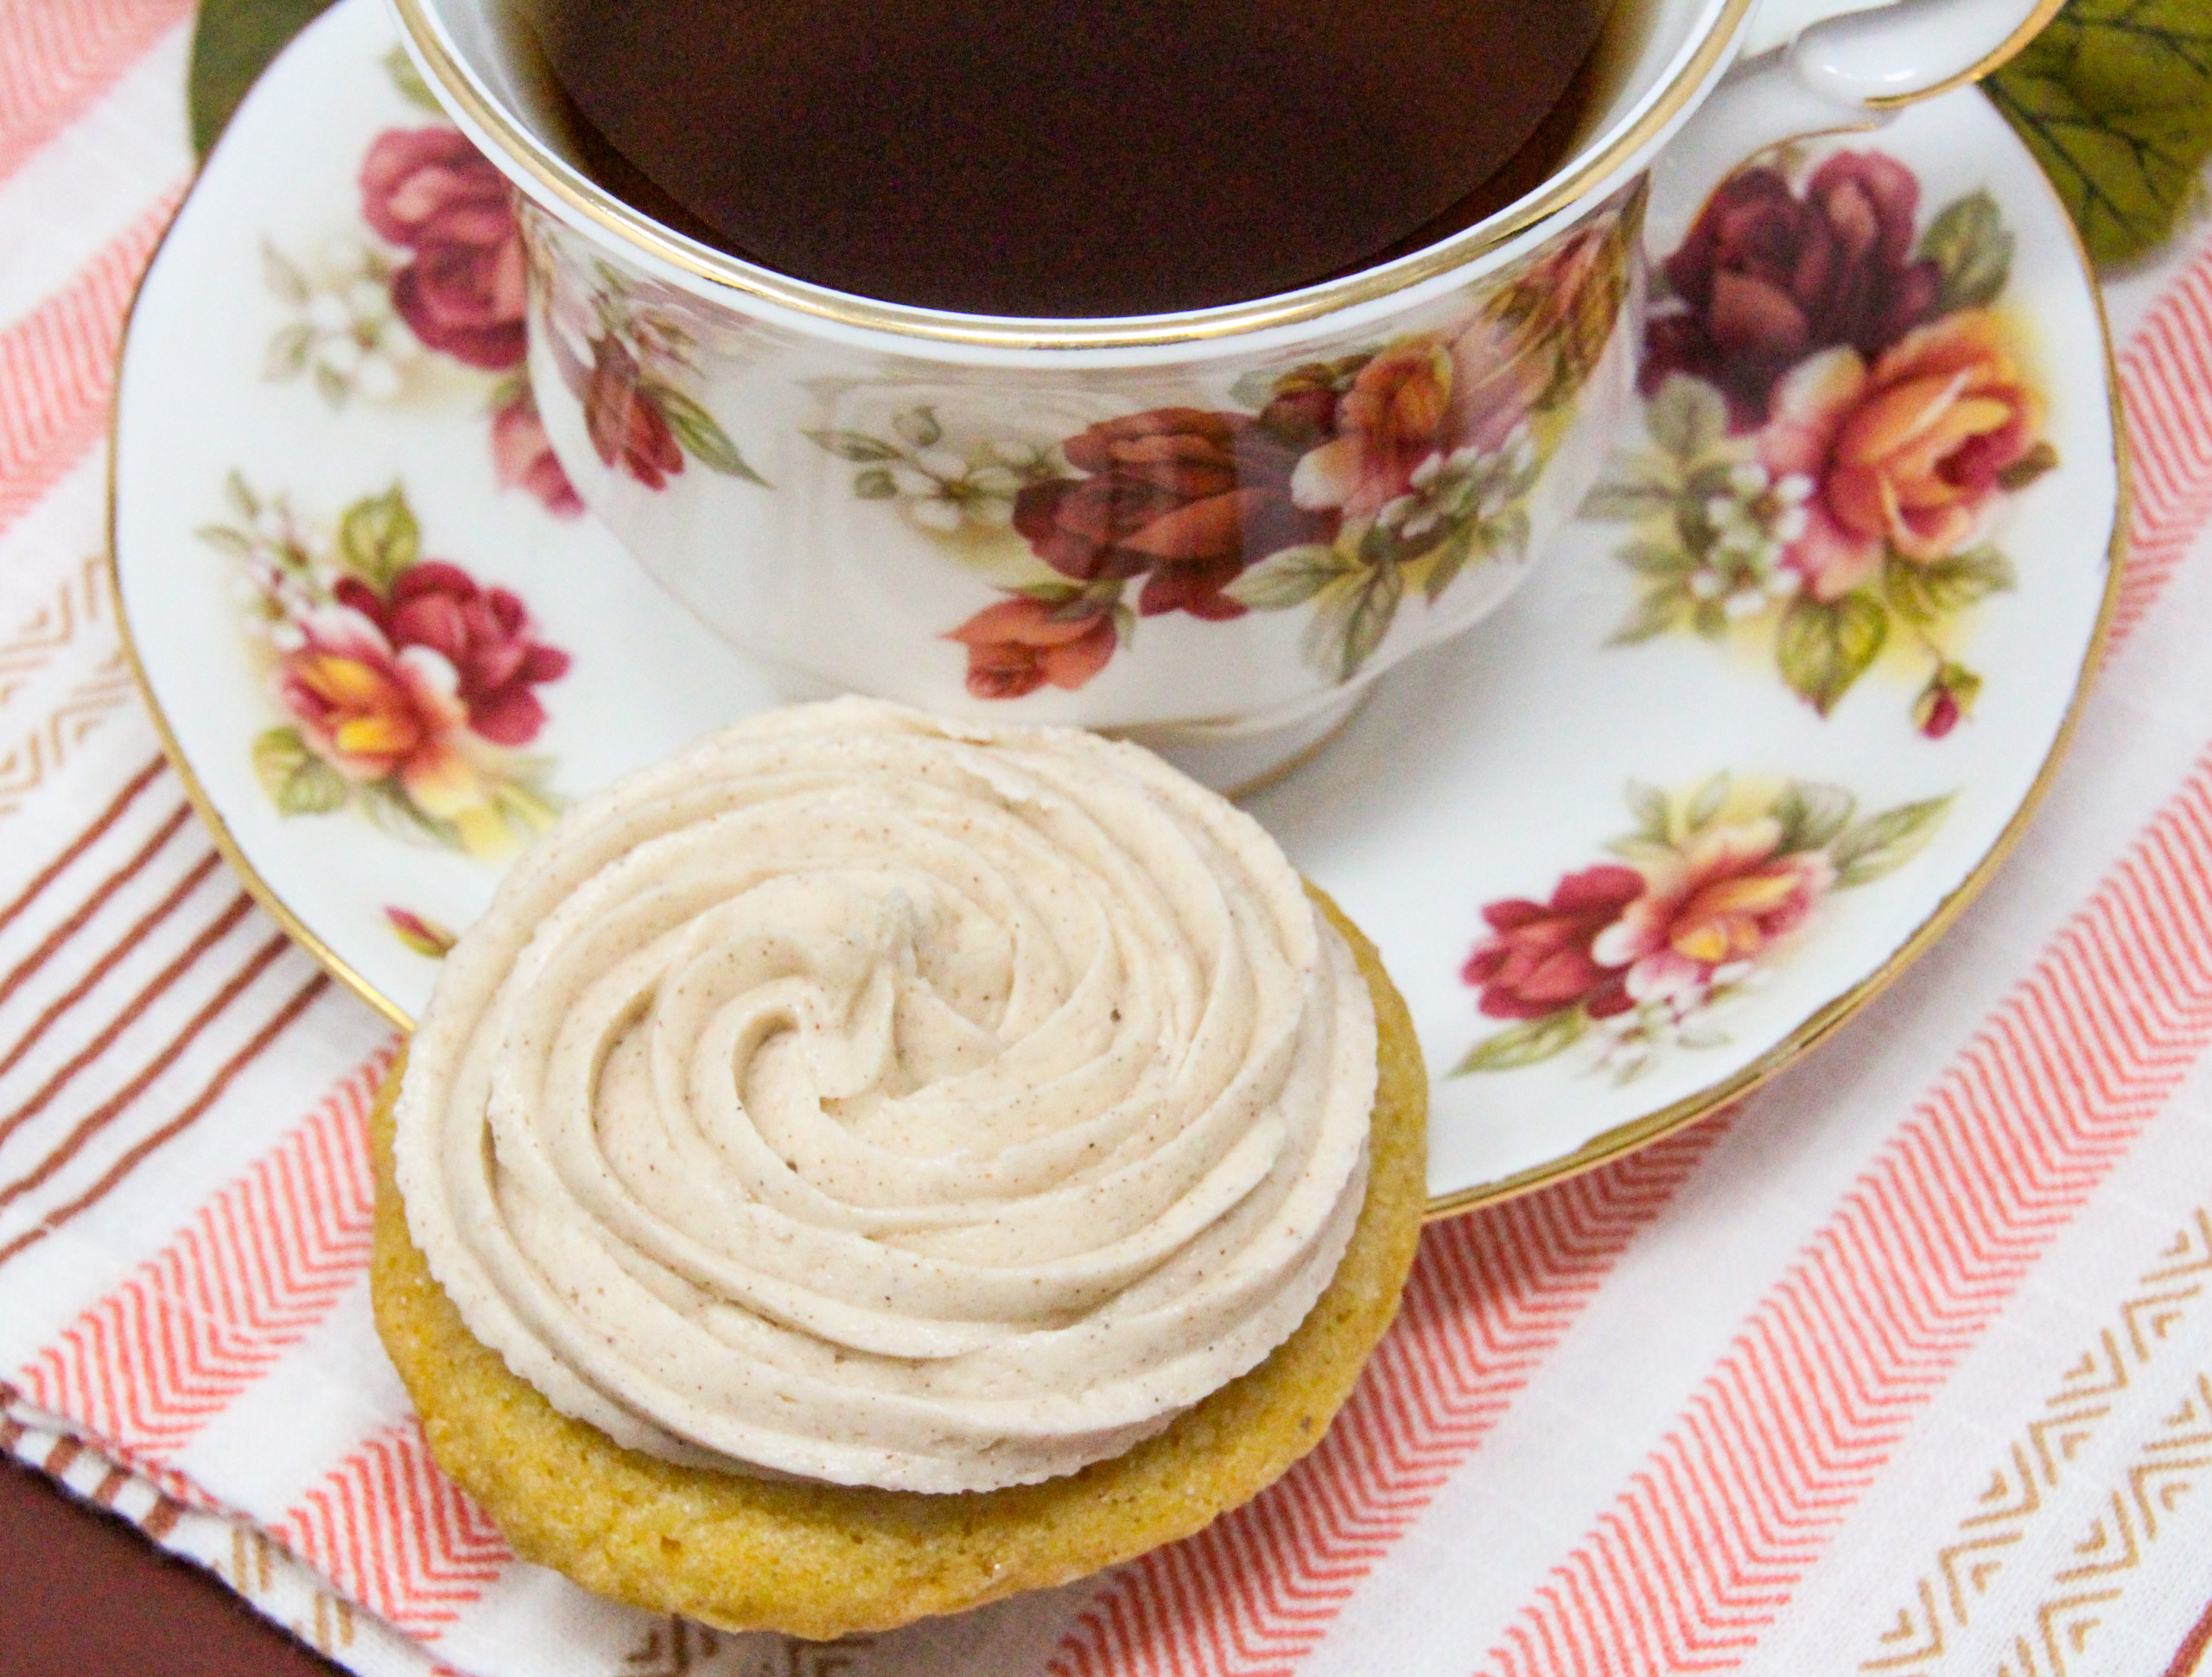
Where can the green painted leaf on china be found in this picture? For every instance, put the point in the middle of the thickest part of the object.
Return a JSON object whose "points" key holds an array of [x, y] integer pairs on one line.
{"points": [[1971, 251], [1526, 1043], [1290, 577], [1811, 814], [701, 435], [379, 538], [297, 781], [1823, 648], [1883, 843]]}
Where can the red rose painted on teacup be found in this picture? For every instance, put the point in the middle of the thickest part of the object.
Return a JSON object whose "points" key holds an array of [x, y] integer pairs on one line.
{"points": [[1239, 513]]}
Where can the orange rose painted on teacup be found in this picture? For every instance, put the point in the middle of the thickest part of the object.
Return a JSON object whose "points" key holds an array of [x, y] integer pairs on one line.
{"points": [[1351, 485]]}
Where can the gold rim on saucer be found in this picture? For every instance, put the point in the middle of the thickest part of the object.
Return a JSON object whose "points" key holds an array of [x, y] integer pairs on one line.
{"points": [[1627, 1138], [1600, 1149]]}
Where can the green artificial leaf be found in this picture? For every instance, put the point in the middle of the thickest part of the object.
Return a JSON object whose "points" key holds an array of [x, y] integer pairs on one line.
{"points": [[875, 484], [1810, 814], [1290, 577], [1971, 251], [1883, 843], [1687, 418], [378, 537], [1924, 592], [2115, 99], [702, 438], [232, 45], [855, 445], [297, 781], [1821, 649], [1525, 1044]]}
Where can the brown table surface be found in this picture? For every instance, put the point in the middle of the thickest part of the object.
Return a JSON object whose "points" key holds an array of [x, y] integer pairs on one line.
{"points": [[82, 1594]]}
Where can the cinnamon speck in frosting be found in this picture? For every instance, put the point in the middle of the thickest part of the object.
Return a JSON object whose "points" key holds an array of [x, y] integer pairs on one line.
{"points": [[884, 1101]]}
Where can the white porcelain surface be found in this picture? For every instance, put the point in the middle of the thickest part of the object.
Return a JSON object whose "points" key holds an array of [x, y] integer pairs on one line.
{"points": [[692, 399], [1482, 772]]}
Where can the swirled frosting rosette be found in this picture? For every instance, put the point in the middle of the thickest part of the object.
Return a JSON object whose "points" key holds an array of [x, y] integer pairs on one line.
{"points": [[888, 1102]]}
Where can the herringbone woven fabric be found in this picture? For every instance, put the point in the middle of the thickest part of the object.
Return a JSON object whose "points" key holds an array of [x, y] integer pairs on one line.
{"points": [[1904, 1366]]}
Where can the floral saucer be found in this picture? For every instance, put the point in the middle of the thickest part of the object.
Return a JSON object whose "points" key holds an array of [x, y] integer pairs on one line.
{"points": [[1717, 772]]}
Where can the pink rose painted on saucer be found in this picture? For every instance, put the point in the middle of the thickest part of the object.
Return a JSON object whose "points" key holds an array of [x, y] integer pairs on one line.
{"points": [[1635, 958], [1840, 412], [522, 454], [1539, 957], [1906, 455], [408, 686]]}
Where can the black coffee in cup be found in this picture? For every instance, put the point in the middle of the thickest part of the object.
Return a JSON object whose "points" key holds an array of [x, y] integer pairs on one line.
{"points": [[1068, 157]]}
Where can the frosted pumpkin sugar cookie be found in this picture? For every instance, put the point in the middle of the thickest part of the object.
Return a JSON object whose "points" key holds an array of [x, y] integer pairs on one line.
{"points": [[867, 1166]]}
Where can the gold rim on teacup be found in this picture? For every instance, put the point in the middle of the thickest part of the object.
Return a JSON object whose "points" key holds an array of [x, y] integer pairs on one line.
{"points": [[1693, 73], [1696, 67]]}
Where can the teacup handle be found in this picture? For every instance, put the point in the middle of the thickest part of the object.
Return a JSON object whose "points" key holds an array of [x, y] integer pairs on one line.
{"points": [[1816, 67]]}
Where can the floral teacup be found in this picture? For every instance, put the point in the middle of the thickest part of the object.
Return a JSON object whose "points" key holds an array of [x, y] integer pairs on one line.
{"points": [[1210, 528]]}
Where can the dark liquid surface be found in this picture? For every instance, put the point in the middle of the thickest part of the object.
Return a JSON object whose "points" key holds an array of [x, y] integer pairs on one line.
{"points": [[1068, 157]]}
